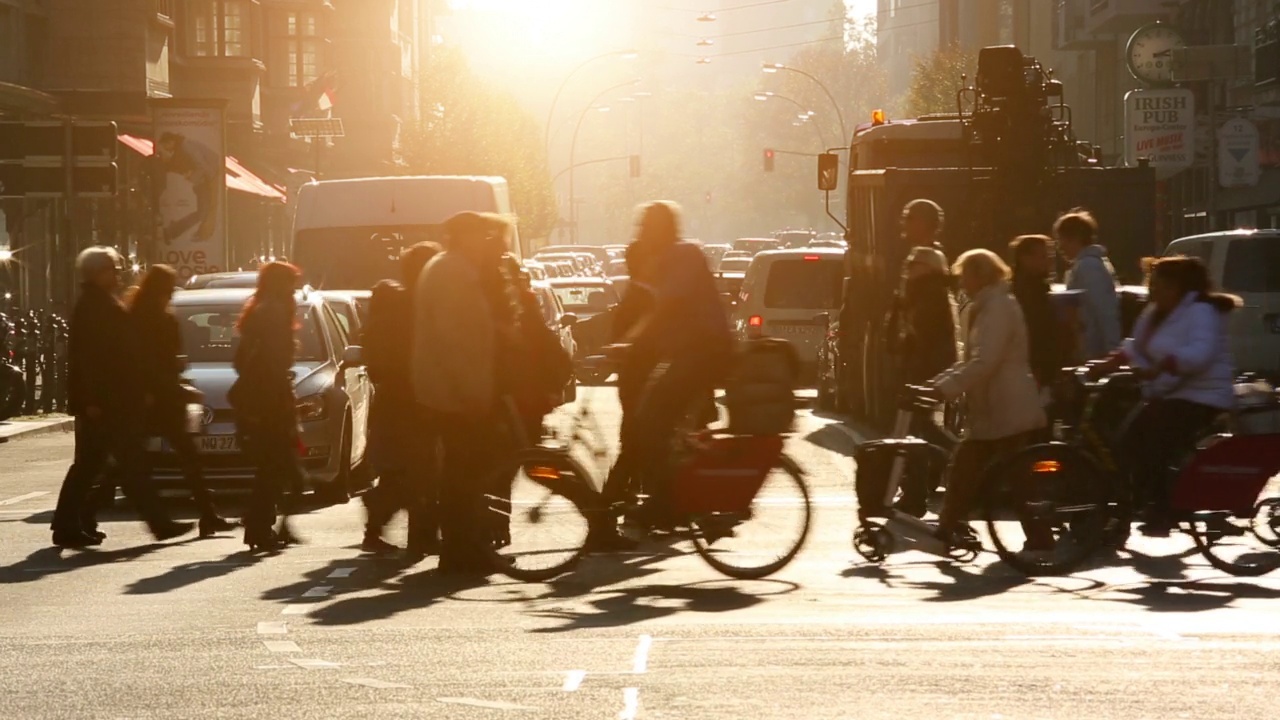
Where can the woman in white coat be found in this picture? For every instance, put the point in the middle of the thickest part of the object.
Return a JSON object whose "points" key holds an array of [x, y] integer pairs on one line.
{"points": [[1002, 400], [1180, 348]]}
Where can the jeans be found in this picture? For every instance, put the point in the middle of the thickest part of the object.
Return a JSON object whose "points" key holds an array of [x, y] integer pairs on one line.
{"points": [[1161, 434], [919, 483], [96, 441]]}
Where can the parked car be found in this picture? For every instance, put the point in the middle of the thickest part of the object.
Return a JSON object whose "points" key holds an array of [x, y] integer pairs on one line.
{"points": [[787, 294], [222, 280], [352, 309], [617, 268], [561, 323], [715, 253], [330, 381], [599, 252]]}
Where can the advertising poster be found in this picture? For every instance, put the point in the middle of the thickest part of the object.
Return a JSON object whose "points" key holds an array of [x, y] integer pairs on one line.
{"points": [[190, 156], [1160, 127]]}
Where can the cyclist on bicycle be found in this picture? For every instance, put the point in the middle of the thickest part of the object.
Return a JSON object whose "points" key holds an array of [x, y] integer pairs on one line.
{"points": [[1181, 350], [689, 332]]}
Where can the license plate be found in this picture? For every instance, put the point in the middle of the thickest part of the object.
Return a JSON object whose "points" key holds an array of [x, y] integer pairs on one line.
{"points": [[218, 444]]}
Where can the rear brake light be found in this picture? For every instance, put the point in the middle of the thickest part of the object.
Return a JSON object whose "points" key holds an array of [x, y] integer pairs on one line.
{"points": [[755, 321], [812, 258]]}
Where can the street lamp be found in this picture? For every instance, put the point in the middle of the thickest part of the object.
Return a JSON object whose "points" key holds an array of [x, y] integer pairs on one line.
{"points": [[707, 17], [624, 54], [573, 156], [804, 115], [6, 256], [704, 61], [776, 67]]}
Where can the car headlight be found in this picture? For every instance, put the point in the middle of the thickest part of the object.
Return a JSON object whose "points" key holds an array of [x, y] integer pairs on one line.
{"points": [[312, 407]]}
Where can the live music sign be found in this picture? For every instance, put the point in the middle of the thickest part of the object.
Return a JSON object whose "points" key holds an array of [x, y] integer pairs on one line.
{"points": [[1160, 126]]}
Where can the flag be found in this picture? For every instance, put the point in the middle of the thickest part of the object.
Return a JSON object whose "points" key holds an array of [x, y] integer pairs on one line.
{"points": [[319, 95]]}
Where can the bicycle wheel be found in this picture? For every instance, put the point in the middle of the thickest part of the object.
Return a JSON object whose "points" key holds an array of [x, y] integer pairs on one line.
{"points": [[1048, 509], [762, 540], [1230, 545], [536, 516]]}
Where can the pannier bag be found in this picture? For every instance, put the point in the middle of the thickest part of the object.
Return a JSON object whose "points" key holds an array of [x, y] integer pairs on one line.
{"points": [[874, 460], [760, 392]]}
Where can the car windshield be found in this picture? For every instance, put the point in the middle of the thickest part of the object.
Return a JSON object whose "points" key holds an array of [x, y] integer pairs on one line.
{"points": [[209, 334], [356, 258], [586, 298], [804, 284], [735, 264], [1253, 265], [617, 267]]}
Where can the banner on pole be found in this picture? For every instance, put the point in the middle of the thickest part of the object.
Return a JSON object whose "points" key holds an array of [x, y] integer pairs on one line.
{"points": [[190, 152]]}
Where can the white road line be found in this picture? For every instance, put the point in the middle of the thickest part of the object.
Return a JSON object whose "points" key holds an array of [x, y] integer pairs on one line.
{"points": [[373, 683], [296, 609], [490, 704], [341, 572], [630, 704], [573, 680], [318, 591], [281, 646], [275, 627], [640, 661], [313, 664], [20, 498]]}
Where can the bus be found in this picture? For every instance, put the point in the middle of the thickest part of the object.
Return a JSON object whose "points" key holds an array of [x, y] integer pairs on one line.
{"points": [[348, 234]]}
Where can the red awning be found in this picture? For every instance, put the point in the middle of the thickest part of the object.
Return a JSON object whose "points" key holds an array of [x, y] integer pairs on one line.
{"points": [[239, 177]]}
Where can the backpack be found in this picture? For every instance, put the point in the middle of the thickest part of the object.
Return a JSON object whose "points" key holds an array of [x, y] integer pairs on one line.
{"points": [[760, 390], [387, 337]]}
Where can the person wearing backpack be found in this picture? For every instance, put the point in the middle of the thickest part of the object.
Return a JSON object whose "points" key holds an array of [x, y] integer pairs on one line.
{"points": [[401, 453]]}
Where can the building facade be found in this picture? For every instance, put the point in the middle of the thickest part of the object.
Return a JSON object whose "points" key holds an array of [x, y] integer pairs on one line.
{"points": [[270, 61]]}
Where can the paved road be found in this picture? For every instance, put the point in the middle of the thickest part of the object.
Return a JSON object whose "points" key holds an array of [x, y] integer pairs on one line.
{"points": [[195, 629]]}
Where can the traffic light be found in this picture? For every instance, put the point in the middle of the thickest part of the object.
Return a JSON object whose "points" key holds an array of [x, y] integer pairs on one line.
{"points": [[768, 159], [635, 166]]}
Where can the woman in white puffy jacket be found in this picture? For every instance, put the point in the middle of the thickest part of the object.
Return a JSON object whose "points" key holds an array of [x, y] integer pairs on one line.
{"points": [[1181, 350]]}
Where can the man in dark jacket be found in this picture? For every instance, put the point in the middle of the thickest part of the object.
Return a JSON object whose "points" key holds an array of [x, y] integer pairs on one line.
{"points": [[1032, 263], [924, 326], [106, 398]]}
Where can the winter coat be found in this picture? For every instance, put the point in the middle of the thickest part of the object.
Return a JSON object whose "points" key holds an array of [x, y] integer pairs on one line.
{"points": [[1100, 309], [1193, 342], [160, 360], [1001, 396], [102, 363], [924, 324], [455, 339], [1043, 328], [263, 396]]}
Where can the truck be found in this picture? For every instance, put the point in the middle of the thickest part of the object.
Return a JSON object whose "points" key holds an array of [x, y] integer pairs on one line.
{"points": [[1006, 163]]}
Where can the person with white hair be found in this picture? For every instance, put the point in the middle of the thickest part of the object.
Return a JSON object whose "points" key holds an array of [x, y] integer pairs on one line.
{"points": [[1004, 413], [106, 398]]}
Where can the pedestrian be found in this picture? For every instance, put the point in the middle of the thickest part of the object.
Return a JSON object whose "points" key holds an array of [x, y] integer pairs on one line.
{"points": [[402, 448], [922, 332], [456, 340], [1090, 271], [264, 402], [1032, 266], [922, 222], [994, 376], [1181, 349], [106, 398], [165, 394]]}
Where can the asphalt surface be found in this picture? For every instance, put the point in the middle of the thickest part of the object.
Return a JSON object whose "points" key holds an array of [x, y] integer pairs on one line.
{"points": [[196, 629]]}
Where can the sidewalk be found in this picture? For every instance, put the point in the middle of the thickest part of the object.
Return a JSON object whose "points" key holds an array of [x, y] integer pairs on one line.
{"points": [[17, 429]]}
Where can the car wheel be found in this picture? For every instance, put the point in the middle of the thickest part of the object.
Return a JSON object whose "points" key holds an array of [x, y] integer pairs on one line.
{"points": [[338, 492]]}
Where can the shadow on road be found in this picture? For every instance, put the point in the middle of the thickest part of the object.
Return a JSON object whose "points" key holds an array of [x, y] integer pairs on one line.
{"points": [[627, 606], [54, 561], [1192, 595], [832, 439], [180, 576]]}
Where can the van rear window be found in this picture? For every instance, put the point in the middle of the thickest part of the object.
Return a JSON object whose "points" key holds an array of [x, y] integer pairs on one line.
{"points": [[1253, 265], [804, 284]]}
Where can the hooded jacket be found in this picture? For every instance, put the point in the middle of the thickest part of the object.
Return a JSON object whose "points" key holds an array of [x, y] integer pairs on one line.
{"points": [[1100, 309]]}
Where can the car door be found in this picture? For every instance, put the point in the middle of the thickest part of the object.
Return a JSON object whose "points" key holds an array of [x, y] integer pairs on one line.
{"points": [[1251, 270], [357, 385]]}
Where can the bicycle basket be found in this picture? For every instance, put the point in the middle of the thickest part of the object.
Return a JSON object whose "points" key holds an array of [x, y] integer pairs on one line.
{"points": [[725, 475]]}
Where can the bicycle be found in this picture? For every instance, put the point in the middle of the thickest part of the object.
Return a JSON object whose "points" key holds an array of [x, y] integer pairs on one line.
{"points": [[1225, 489], [724, 486], [1048, 509]]}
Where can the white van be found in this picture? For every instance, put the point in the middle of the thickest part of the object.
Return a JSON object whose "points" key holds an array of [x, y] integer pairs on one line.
{"points": [[783, 295], [348, 234], [1245, 263]]}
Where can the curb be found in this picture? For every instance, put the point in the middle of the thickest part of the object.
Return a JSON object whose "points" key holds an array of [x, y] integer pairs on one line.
{"points": [[65, 425]]}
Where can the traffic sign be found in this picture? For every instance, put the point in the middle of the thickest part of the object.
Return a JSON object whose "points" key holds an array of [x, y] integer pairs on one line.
{"points": [[49, 158], [1239, 149]]}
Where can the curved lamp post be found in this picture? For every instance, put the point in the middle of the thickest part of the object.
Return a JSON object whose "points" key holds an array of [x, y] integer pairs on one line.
{"points": [[766, 96], [573, 155], [775, 67], [625, 54]]}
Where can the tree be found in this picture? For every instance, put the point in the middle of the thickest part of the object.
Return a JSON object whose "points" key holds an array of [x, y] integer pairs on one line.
{"points": [[936, 79], [471, 127]]}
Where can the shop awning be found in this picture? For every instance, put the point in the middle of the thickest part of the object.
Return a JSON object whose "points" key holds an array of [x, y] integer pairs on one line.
{"points": [[239, 178]]}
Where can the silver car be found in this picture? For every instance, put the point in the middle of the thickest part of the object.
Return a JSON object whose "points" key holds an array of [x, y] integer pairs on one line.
{"points": [[330, 382]]}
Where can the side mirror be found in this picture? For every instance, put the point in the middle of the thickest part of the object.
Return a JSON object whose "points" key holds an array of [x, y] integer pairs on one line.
{"points": [[353, 356], [568, 320], [828, 172]]}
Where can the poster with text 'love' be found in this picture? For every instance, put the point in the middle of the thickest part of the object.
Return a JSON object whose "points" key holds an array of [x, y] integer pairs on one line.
{"points": [[190, 152]]}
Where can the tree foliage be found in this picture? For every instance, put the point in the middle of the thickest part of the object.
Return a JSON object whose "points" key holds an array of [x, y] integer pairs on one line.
{"points": [[469, 126], [937, 78]]}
